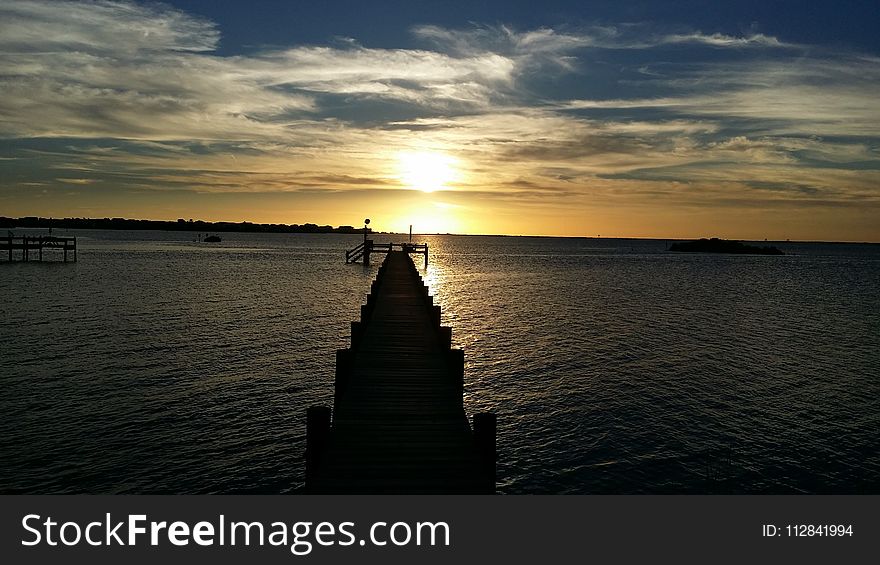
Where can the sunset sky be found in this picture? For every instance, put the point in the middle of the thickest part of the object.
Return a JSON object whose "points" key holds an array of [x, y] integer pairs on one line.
{"points": [[748, 119]]}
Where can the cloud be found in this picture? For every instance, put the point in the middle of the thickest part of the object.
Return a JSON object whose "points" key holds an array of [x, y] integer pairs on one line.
{"points": [[525, 49], [99, 26], [722, 40], [830, 97], [422, 77], [76, 181], [97, 69], [556, 44]]}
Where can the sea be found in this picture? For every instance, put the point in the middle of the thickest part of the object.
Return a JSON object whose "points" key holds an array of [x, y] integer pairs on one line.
{"points": [[160, 364]]}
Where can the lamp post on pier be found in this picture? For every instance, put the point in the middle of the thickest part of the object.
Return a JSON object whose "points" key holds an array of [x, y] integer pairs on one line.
{"points": [[368, 244]]}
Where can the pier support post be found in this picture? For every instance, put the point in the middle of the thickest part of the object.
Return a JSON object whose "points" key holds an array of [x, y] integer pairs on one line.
{"points": [[317, 431], [445, 337], [456, 372], [343, 372], [357, 329], [485, 424]]}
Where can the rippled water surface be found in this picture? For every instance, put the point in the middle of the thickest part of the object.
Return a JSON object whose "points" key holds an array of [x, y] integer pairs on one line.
{"points": [[159, 365]]}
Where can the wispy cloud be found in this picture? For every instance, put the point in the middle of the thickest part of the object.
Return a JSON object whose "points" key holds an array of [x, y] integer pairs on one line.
{"points": [[102, 26], [524, 49], [557, 43], [722, 40]]}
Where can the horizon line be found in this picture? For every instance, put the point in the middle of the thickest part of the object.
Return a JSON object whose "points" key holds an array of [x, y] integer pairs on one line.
{"points": [[6, 220]]}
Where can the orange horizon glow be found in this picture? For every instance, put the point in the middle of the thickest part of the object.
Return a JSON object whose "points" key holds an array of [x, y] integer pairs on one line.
{"points": [[434, 213]]}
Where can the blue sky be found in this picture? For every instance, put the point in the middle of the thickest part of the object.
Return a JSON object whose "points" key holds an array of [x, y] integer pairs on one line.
{"points": [[653, 119], [847, 23]]}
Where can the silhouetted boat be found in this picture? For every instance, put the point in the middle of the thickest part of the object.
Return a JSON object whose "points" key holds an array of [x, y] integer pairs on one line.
{"points": [[716, 245], [212, 238]]}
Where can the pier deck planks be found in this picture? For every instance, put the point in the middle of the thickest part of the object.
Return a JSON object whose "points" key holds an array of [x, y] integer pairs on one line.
{"points": [[398, 424]]}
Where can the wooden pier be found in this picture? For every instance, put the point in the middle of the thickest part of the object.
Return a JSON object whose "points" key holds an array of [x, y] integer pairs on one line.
{"points": [[35, 244], [398, 424]]}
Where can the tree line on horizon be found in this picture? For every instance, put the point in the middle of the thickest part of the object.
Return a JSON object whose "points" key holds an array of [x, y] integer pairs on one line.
{"points": [[180, 225]]}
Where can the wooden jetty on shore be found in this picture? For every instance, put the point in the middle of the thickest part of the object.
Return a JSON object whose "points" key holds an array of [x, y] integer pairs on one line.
{"points": [[398, 424], [36, 243]]}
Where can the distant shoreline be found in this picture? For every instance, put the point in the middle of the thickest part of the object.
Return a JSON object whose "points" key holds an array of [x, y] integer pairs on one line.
{"points": [[179, 225], [251, 227]]}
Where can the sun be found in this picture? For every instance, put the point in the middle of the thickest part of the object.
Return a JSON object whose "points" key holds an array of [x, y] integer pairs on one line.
{"points": [[426, 170]]}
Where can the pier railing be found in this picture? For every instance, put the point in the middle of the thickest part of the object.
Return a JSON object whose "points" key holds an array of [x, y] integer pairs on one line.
{"points": [[36, 243], [354, 255], [363, 250]]}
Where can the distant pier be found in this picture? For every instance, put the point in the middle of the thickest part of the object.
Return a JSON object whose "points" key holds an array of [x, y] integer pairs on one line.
{"points": [[27, 245], [398, 423]]}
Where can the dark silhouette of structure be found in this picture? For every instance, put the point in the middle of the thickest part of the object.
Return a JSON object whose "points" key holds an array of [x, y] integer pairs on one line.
{"points": [[398, 424], [363, 251], [28, 244]]}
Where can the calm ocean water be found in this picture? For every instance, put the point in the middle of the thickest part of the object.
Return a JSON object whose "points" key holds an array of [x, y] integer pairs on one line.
{"points": [[159, 365]]}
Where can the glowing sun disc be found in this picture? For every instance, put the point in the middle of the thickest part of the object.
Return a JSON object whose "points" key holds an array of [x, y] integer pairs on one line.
{"points": [[426, 170]]}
